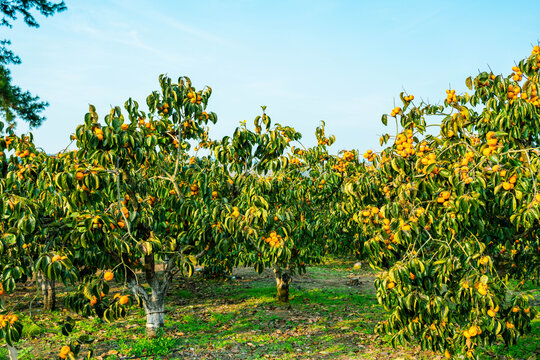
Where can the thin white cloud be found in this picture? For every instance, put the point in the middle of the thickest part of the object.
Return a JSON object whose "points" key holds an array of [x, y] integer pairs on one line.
{"points": [[129, 38], [155, 17], [194, 31], [280, 89]]}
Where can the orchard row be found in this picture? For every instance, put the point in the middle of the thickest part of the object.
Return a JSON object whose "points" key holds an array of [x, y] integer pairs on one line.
{"points": [[450, 219]]}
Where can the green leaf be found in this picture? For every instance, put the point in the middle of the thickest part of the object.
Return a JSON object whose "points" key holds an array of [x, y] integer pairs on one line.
{"points": [[445, 173], [10, 239], [498, 328], [430, 168], [468, 82], [494, 158]]}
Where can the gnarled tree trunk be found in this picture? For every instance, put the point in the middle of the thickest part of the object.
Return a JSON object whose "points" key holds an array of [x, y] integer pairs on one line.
{"points": [[153, 303], [48, 290], [154, 308], [283, 279], [13, 353]]}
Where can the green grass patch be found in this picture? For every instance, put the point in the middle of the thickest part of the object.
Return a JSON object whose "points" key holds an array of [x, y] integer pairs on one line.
{"points": [[326, 318]]}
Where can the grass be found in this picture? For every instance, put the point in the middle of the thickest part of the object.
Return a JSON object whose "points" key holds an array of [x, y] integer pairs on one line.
{"points": [[240, 319]]}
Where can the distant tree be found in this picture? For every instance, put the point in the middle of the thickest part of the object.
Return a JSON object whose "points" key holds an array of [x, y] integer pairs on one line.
{"points": [[15, 102]]}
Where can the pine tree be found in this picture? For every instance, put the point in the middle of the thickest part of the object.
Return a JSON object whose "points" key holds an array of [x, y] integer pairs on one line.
{"points": [[16, 103]]}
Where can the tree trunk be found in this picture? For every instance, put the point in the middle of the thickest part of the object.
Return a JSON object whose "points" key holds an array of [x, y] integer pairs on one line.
{"points": [[283, 279], [48, 290], [153, 303], [155, 313], [13, 353]]}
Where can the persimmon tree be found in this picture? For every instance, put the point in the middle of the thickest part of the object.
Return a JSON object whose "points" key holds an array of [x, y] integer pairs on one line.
{"points": [[254, 162], [282, 217], [305, 196], [453, 218], [138, 201], [32, 243], [36, 218]]}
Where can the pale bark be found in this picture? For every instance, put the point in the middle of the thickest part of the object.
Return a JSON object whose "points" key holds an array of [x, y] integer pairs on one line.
{"points": [[283, 279], [153, 303], [48, 291], [13, 353], [155, 315]]}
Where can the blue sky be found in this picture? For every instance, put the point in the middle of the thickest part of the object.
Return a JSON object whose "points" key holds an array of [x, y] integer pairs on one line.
{"points": [[344, 62]]}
